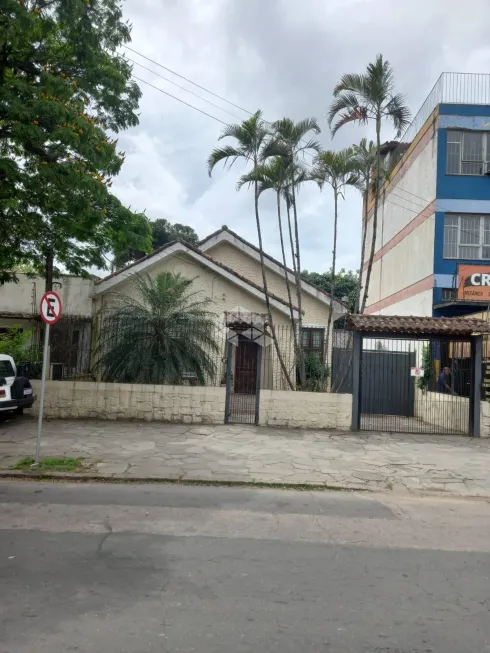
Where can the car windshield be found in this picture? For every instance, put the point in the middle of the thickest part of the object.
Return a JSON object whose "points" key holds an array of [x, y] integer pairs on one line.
{"points": [[6, 369]]}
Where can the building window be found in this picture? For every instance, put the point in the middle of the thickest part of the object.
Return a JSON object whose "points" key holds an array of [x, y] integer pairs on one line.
{"points": [[313, 342], [467, 237], [468, 153]]}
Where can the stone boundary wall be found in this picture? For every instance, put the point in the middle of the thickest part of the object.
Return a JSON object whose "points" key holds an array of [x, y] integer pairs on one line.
{"points": [[198, 405], [188, 404], [316, 410], [164, 403]]}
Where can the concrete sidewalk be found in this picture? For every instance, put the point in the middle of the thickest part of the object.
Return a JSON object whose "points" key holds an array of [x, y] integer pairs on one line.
{"points": [[370, 461]]}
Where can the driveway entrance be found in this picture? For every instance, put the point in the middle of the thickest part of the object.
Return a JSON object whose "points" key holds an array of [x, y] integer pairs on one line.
{"points": [[417, 375]]}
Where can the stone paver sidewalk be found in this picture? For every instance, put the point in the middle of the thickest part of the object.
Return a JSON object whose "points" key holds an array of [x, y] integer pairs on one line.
{"points": [[371, 461]]}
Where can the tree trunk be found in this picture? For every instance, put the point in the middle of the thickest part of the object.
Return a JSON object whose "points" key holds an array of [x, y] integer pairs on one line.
{"points": [[334, 260], [375, 214], [48, 271], [291, 238], [301, 356], [266, 291], [286, 275], [363, 246]]}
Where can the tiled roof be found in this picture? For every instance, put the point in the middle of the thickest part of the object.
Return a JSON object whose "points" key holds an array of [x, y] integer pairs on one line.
{"points": [[409, 324], [267, 256], [203, 255]]}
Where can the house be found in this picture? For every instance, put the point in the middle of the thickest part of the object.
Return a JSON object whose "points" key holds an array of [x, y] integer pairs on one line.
{"points": [[432, 250], [227, 275]]}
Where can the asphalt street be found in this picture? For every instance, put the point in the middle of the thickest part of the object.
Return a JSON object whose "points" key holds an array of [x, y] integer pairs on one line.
{"points": [[135, 569]]}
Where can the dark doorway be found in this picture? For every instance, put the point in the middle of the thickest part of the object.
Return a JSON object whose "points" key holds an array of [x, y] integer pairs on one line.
{"points": [[246, 366], [243, 380]]}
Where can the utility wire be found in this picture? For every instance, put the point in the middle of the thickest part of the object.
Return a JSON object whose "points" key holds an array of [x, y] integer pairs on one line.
{"points": [[188, 80], [183, 88], [203, 88], [179, 100]]}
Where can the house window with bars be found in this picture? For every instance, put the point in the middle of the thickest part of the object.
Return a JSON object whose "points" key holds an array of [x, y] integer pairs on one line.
{"points": [[467, 237], [313, 342], [468, 153]]}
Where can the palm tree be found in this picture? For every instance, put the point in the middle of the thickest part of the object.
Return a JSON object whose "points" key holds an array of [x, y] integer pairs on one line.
{"points": [[157, 333], [289, 143], [338, 170], [251, 136], [365, 160], [274, 175], [370, 96]]}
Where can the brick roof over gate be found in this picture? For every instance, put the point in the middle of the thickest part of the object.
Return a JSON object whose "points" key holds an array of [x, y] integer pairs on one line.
{"points": [[409, 324]]}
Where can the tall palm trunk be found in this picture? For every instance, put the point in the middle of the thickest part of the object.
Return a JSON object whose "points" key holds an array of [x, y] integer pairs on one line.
{"points": [[301, 357], [291, 241], [334, 260], [375, 214], [363, 247], [286, 275], [266, 290]]}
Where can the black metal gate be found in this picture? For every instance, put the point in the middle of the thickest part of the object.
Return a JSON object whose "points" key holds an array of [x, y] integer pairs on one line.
{"points": [[243, 368], [415, 386]]}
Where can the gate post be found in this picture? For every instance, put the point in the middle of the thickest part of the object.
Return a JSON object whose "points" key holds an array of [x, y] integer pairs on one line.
{"points": [[257, 386], [475, 386], [356, 381], [229, 356]]}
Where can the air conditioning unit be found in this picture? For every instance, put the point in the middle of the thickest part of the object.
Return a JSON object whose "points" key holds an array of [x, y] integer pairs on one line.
{"points": [[486, 168]]}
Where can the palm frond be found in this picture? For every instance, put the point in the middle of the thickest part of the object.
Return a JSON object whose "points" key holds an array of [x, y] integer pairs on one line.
{"points": [[350, 83], [360, 115], [159, 334], [398, 112], [223, 154]]}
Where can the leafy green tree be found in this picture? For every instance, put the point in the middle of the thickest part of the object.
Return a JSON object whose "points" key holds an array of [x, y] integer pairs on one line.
{"points": [[345, 284], [251, 140], [365, 97], [63, 91], [337, 170], [162, 232], [157, 333]]}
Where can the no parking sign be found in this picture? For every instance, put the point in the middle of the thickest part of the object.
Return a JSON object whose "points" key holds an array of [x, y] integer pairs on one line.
{"points": [[50, 309]]}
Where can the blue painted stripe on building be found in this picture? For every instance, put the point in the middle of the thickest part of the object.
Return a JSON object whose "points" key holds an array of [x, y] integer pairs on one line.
{"points": [[444, 281], [464, 109], [479, 123], [464, 205]]}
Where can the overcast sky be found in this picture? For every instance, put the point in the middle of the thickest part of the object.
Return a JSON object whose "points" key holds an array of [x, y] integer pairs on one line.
{"points": [[284, 57]]}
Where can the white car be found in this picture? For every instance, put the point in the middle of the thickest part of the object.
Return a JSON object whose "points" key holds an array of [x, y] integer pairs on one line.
{"points": [[15, 391]]}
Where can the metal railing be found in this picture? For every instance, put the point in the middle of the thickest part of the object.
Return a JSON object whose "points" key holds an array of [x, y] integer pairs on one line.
{"points": [[450, 88]]}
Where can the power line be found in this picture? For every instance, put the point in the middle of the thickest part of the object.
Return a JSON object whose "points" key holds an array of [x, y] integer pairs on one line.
{"points": [[183, 88], [188, 80], [203, 88], [179, 100]]}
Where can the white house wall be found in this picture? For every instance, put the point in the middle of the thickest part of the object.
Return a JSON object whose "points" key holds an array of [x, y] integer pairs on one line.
{"points": [[22, 298]]}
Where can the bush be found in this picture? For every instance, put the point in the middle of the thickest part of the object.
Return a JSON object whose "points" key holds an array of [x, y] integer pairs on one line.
{"points": [[317, 374], [15, 343]]}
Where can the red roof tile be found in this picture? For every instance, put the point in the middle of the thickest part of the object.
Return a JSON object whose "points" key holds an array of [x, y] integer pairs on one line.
{"points": [[409, 324]]}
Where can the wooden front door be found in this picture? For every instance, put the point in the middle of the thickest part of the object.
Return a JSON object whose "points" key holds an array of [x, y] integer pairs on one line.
{"points": [[246, 367]]}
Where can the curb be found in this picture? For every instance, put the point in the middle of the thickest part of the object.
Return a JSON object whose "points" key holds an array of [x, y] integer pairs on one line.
{"points": [[74, 477]]}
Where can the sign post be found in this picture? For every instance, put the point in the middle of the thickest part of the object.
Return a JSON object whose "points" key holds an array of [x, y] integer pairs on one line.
{"points": [[50, 308]]}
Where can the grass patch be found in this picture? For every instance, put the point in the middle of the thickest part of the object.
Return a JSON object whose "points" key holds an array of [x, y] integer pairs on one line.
{"points": [[51, 464]]}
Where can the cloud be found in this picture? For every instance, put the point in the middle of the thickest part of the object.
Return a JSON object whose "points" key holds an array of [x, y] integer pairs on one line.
{"points": [[283, 57]]}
